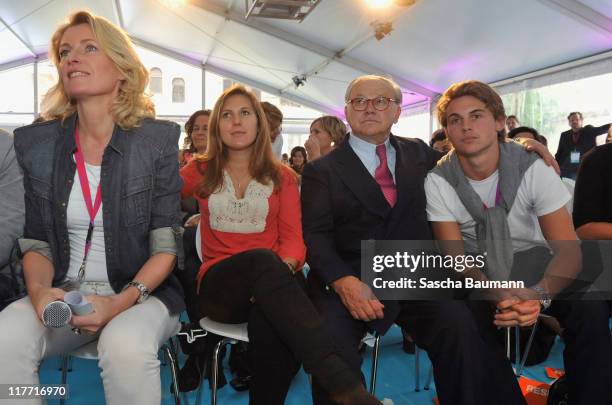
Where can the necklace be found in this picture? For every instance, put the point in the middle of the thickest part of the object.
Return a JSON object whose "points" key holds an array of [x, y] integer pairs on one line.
{"points": [[239, 181]]}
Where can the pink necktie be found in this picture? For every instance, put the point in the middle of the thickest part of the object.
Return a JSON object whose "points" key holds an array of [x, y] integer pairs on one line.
{"points": [[383, 176]]}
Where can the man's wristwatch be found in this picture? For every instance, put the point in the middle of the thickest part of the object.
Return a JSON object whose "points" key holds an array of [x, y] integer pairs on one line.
{"points": [[545, 299], [144, 291]]}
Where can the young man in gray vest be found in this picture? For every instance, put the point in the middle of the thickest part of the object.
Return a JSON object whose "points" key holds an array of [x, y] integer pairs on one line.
{"points": [[495, 197]]}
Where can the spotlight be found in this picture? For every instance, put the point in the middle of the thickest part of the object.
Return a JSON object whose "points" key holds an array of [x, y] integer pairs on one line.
{"points": [[382, 29], [379, 3], [299, 80]]}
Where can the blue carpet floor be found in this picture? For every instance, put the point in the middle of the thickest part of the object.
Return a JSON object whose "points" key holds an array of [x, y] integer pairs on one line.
{"points": [[396, 376]]}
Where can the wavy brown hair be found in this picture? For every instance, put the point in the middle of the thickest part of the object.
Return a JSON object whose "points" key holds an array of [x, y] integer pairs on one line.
{"points": [[478, 90], [263, 165], [131, 104]]}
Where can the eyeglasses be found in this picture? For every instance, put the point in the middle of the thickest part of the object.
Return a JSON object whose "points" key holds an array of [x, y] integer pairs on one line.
{"points": [[379, 103]]}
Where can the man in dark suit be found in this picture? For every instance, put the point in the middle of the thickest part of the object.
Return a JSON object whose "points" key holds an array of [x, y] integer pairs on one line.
{"points": [[372, 187], [575, 142]]}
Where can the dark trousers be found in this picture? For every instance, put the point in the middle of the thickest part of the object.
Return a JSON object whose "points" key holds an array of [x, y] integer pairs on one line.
{"points": [[187, 276], [470, 366], [588, 350], [284, 327]]}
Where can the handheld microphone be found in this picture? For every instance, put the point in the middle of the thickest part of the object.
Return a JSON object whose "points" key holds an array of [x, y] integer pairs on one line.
{"points": [[56, 314]]}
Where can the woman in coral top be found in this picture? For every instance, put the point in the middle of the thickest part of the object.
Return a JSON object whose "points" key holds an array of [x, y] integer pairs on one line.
{"points": [[253, 252]]}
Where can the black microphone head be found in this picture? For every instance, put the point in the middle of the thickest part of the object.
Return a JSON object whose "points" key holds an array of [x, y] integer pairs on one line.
{"points": [[56, 314]]}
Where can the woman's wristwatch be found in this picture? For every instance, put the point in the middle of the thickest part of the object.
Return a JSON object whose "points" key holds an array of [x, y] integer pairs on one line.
{"points": [[144, 291]]}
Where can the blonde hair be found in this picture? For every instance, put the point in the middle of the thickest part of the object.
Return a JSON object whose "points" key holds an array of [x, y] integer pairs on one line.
{"points": [[132, 104], [334, 126], [263, 165]]}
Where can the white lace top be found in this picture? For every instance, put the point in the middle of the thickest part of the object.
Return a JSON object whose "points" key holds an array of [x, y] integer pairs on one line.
{"points": [[245, 215]]}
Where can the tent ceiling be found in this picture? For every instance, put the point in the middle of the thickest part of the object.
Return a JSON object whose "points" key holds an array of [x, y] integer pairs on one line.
{"points": [[434, 42]]}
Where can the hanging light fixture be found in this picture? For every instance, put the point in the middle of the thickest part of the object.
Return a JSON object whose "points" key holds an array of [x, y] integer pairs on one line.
{"points": [[295, 10]]}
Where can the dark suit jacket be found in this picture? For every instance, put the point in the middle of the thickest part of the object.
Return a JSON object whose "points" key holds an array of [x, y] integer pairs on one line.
{"points": [[586, 142], [342, 205]]}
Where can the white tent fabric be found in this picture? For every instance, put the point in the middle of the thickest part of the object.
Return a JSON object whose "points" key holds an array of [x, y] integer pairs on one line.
{"points": [[433, 43]]}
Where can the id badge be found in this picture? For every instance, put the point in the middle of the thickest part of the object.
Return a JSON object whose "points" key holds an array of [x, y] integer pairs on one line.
{"points": [[575, 157]]}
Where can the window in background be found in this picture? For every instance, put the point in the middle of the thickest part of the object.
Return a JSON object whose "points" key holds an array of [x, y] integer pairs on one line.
{"points": [[413, 124], [214, 85], [178, 90], [47, 78], [546, 108], [17, 102], [18, 90], [166, 105], [156, 83]]}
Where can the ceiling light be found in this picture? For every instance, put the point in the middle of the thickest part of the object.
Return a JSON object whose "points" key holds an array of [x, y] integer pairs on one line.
{"points": [[379, 3], [295, 10]]}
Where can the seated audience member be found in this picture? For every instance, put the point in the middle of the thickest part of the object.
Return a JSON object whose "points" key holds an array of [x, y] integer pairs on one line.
{"points": [[196, 128], [253, 252], [199, 353], [512, 122], [11, 213], [371, 187], [593, 195], [439, 142], [298, 159], [275, 122], [325, 134], [100, 152], [526, 133], [488, 191], [592, 211], [575, 142]]}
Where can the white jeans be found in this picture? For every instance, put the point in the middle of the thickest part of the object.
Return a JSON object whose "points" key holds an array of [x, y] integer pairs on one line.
{"points": [[127, 348]]}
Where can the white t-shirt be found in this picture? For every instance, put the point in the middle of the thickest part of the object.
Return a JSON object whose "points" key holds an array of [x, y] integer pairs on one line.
{"points": [[78, 224], [277, 146], [541, 192]]}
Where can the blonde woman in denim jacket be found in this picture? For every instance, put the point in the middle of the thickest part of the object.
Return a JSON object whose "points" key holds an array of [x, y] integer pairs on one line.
{"points": [[100, 139]]}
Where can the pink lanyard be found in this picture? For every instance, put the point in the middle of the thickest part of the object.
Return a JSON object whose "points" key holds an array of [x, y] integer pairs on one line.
{"points": [[498, 197], [92, 209]]}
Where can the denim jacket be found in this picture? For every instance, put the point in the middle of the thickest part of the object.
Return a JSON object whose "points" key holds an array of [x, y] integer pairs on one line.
{"points": [[140, 185]]}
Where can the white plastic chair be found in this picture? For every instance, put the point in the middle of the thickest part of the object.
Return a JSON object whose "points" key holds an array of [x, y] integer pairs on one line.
{"points": [[230, 333], [89, 351]]}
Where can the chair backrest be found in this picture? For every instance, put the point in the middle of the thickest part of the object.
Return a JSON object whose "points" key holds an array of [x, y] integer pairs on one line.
{"points": [[198, 241], [87, 351]]}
